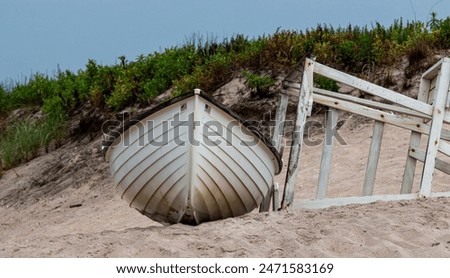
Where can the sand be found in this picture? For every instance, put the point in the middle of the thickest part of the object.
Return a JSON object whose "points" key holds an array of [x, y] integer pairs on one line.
{"points": [[63, 204]]}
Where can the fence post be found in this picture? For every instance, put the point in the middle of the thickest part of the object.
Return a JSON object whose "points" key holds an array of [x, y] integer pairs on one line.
{"points": [[304, 107], [374, 155], [280, 118], [414, 143], [276, 201], [327, 154], [277, 138], [442, 87]]}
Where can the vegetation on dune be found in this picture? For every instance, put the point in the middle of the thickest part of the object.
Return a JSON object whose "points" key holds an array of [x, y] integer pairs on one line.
{"points": [[205, 64], [259, 84], [21, 141]]}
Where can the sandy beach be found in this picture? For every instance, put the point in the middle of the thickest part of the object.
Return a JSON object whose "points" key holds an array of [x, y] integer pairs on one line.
{"points": [[63, 204]]}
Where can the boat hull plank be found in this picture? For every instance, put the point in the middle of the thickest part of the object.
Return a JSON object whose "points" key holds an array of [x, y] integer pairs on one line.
{"points": [[191, 160]]}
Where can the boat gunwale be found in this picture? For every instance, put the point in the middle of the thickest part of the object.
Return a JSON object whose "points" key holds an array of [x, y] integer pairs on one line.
{"points": [[117, 133]]}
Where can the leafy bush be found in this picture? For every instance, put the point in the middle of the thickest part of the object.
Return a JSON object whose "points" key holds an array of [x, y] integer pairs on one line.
{"points": [[208, 76], [325, 83], [53, 107], [260, 84], [189, 82], [443, 33], [122, 94], [345, 53]]}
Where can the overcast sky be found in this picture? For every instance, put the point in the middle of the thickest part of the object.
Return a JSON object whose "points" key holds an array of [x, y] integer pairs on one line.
{"points": [[40, 35]]}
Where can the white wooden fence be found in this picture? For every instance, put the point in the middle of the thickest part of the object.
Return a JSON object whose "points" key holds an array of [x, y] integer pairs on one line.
{"points": [[424, 116]]}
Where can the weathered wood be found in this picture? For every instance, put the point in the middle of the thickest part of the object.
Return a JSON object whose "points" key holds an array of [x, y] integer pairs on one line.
{"points": [[431, 95], [293, 85], [375, 114], [327, 154], [342, 201], [440, 194], [440, 164], [442, 88], [292, 91], [410, 166], [433, 83], [280, 118], [276, 197], [444, 148], [445, 134], [373, 89], [447, 105], [403, 122], [432, 91], [439, 75], [432, 72], [374, 155], [277, 140], [371, 103], [414, 142], [303, 109], [447, 114]]}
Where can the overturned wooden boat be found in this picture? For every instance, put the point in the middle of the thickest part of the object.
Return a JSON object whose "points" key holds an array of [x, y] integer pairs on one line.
{"points": [[191, 160]]}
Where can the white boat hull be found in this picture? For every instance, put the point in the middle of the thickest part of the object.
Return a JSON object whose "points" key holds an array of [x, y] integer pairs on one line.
{"points": [[191, 162]]}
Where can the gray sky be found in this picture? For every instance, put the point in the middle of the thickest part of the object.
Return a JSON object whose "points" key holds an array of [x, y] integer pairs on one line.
{"points": [[39, 35]]}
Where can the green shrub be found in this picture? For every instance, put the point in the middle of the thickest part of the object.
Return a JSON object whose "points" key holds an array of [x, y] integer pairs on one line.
{"points": [[325, 83], [71, 88], [43, 87], [260, 84], [345, 53], [443, 33], [53, 107], [215, 72], [121, 95], [152, 89], [189, 82], [22, 96]]}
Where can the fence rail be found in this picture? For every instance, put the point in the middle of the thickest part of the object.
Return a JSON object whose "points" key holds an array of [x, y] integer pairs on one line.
{"points": [[426, 115]]}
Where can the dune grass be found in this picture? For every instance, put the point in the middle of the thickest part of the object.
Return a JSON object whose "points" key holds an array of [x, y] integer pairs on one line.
{"points": [[23, 140]]}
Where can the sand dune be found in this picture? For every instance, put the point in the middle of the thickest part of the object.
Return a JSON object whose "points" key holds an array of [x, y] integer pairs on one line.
{"points": [[63, 204]]}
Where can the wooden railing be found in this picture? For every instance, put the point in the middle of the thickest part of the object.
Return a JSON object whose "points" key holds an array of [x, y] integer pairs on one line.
{"points": [[426, 115]]}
